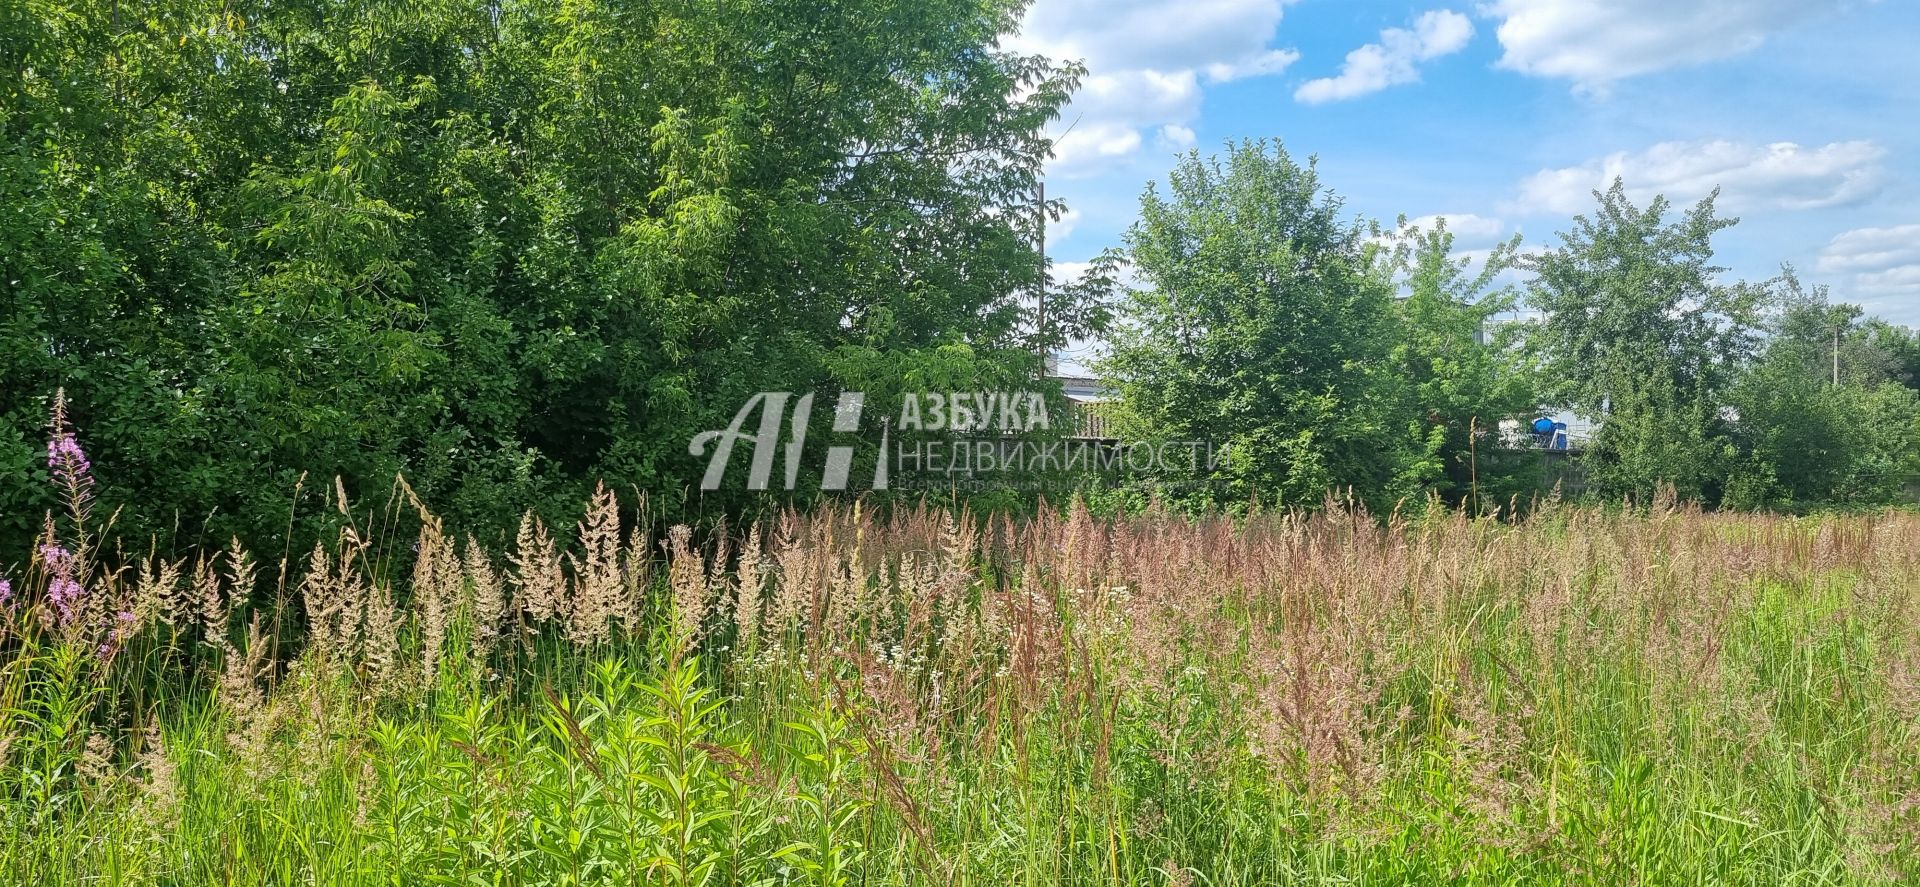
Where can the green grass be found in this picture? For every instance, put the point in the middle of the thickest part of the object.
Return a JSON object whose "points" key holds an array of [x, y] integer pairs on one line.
{"points": [[1585, 697]]}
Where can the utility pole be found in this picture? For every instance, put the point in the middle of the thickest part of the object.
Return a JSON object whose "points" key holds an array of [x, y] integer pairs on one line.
{"points": [[1836, 355], [1040, 297], [1473, 462]]}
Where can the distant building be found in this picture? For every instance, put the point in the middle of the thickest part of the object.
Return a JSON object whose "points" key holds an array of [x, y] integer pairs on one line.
{"points": [[1088, 400]]}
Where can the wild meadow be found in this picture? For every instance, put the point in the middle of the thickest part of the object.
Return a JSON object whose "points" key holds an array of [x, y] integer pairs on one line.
{"points": [[923, 696]]}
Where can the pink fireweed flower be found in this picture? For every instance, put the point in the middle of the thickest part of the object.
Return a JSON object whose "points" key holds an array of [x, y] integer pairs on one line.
{"points": [[65, 596], [72, 471], [65, 455], [6, 595], [63, 590], [57, 558]]}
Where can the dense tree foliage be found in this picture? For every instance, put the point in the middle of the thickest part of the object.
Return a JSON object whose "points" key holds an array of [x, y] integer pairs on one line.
{"points": [[1263, 326], [1322, 357], [509, 247], [1826, 414], [501, 246], [1743, 393], [1267, 321], [1460, 366], [1638, 333]]}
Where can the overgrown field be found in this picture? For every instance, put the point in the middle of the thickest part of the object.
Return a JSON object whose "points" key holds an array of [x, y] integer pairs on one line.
{"points": [[839, 697]]}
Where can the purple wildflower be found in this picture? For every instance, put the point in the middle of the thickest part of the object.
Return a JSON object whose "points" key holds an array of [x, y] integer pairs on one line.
{"points": [[63, 591], [6, 594], [70, 466], [64, 454], [58, 559], [65, 594]]}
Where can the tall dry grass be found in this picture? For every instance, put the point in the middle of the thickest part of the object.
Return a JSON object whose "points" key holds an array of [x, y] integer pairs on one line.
{"points": [[1596, 695]]}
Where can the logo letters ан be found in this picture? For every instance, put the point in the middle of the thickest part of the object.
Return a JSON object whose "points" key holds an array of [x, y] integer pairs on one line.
{"points": [[772, 405]]}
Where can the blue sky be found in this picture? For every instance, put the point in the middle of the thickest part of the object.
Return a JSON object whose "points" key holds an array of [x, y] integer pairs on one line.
{"points": [[1503, 115]]}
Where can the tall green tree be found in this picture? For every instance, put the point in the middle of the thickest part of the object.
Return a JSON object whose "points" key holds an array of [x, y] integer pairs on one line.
{"points": [[1638, 333], [1822, 417], [1839, 341], [502, 246], [1459, 364], [1261, 326]]}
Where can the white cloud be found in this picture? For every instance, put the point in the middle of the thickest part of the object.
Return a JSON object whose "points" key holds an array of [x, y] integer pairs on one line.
{"points": [[1872, 249], [1901, 281], [1394, 60], [1883, 261], [1593, 42], [1062, 228], [1781, 175], [1160, 35], [1465, 227], [1107, 115], [1145, 63], [1122, 276], [1082, 145], [1177, 136], [1271, 62]]}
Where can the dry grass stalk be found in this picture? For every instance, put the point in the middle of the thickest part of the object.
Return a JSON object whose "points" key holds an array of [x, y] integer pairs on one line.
{"points": [[489, 598], [438, 588], [539, 583], [160, 794], [599, 591], [749, 601], [687, 577]]}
